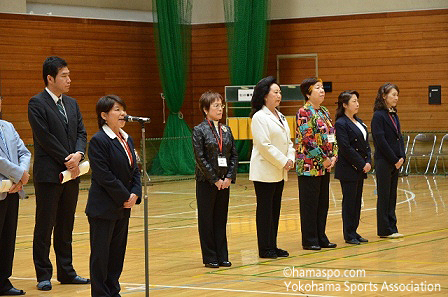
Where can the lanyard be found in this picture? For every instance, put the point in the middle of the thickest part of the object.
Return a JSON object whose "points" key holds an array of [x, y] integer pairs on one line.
{"points": [[216, 135], [324, 116], [327, 119], [393, 122], [126, 149]]}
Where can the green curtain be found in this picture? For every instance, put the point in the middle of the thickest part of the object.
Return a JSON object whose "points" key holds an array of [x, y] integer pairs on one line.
{"points": [[247, 31], [172, 31]]}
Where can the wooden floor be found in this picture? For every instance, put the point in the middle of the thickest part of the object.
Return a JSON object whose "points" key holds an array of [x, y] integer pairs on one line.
{"points": [[419, 261]]}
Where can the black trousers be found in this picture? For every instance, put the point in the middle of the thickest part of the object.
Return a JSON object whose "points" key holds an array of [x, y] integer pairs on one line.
{"points": [[387, 183], [269, 199], [314, 201], [213, 206], [55, 213], [351, 207], [9, 209], [108, 239]]}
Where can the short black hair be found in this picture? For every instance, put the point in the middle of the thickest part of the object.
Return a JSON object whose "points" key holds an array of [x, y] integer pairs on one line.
{"points": [[262, 88], [51, 66], [305, 86], [105, 104], [207, 99]]}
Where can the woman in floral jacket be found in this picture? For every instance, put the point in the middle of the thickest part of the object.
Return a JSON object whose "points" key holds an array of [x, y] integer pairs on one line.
{"points": [[315, 156]]}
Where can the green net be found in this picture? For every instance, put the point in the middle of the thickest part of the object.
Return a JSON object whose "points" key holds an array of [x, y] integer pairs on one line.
{"points": [[246, 22], [172, 24]]}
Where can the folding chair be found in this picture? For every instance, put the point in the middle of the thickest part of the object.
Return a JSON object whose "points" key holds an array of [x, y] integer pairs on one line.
{"points": [[420, 149], [442, 153]]}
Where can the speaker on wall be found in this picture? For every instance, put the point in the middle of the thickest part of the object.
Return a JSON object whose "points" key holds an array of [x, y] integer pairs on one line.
{"points": [[328, 86], [435, 94]]}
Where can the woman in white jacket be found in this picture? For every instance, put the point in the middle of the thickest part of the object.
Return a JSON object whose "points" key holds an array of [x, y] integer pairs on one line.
{"points": [[272, 157]]}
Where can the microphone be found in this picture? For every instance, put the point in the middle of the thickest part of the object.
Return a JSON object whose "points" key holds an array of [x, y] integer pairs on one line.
{"points": [[129, 118]]}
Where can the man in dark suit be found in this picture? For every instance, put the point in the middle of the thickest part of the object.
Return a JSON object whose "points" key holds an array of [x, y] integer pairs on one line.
{"points": [[59, 144], [14, 165]]}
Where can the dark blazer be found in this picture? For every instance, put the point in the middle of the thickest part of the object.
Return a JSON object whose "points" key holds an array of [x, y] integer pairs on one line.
{"points": [[354, 150], [53, 139], [206, 152], [389, 144], [113, 179]]}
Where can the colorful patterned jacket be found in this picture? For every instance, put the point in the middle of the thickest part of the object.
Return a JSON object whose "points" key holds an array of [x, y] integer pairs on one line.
{"points": [[313, 147]]}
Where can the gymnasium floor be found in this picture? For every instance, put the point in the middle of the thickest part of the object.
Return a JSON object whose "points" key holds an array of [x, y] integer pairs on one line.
{"points": [[418, 261]]}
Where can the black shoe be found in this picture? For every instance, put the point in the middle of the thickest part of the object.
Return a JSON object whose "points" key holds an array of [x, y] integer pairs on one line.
{"points": [[311, 247], [212, 265], [13, 292], [44, 285], [78, 281], [271, 254], [225, 263], [281, 253], [329, 245], [362, 239], [353, 241]]}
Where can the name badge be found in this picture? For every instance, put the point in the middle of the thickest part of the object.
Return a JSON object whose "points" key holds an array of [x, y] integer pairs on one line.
{"points": [[331, 138], [222, 162]]}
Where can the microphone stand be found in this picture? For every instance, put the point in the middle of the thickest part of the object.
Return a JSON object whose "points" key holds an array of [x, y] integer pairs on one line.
{"points": [[145, 211]]}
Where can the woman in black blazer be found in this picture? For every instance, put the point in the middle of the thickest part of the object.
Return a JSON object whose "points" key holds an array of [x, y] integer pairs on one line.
{"points": [[389, 157], [353, 163], [115, 189], [216, 164]]}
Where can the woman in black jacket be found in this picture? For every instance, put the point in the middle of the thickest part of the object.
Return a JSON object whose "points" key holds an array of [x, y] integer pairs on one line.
{"points": [[216, 164], [389, 157], [353, 163], [115, 189]]}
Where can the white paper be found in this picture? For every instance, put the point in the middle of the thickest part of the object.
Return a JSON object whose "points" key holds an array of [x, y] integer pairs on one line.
{"points": [[65, 176], [245, 94], [222, 162], [5, 185]]}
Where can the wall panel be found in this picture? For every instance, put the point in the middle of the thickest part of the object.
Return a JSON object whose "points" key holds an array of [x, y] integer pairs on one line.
{"points": [[364, 51], [104, 57], [355, 52]]}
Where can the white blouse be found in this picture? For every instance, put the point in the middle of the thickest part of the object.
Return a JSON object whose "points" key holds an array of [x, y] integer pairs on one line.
{"points": [[363, 130]]}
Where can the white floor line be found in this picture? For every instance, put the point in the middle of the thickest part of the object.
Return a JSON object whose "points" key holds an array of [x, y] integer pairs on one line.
{"points": [[231, 290], [141, 287]]}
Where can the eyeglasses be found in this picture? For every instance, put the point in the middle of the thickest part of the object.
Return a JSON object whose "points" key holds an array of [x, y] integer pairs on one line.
{"points": [[217, 105]]}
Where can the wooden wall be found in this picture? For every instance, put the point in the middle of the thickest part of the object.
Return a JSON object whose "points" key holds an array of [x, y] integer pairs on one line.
{"points": [[104, 57], [362, 52], [355, 52], [209, 65]]}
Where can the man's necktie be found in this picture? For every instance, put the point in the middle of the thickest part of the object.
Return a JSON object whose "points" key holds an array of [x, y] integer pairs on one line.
{"points": [[61, 110]]}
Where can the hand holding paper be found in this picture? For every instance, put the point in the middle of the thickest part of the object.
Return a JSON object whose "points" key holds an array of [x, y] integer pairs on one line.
{"points": [[15, 187], [66, 175]]}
